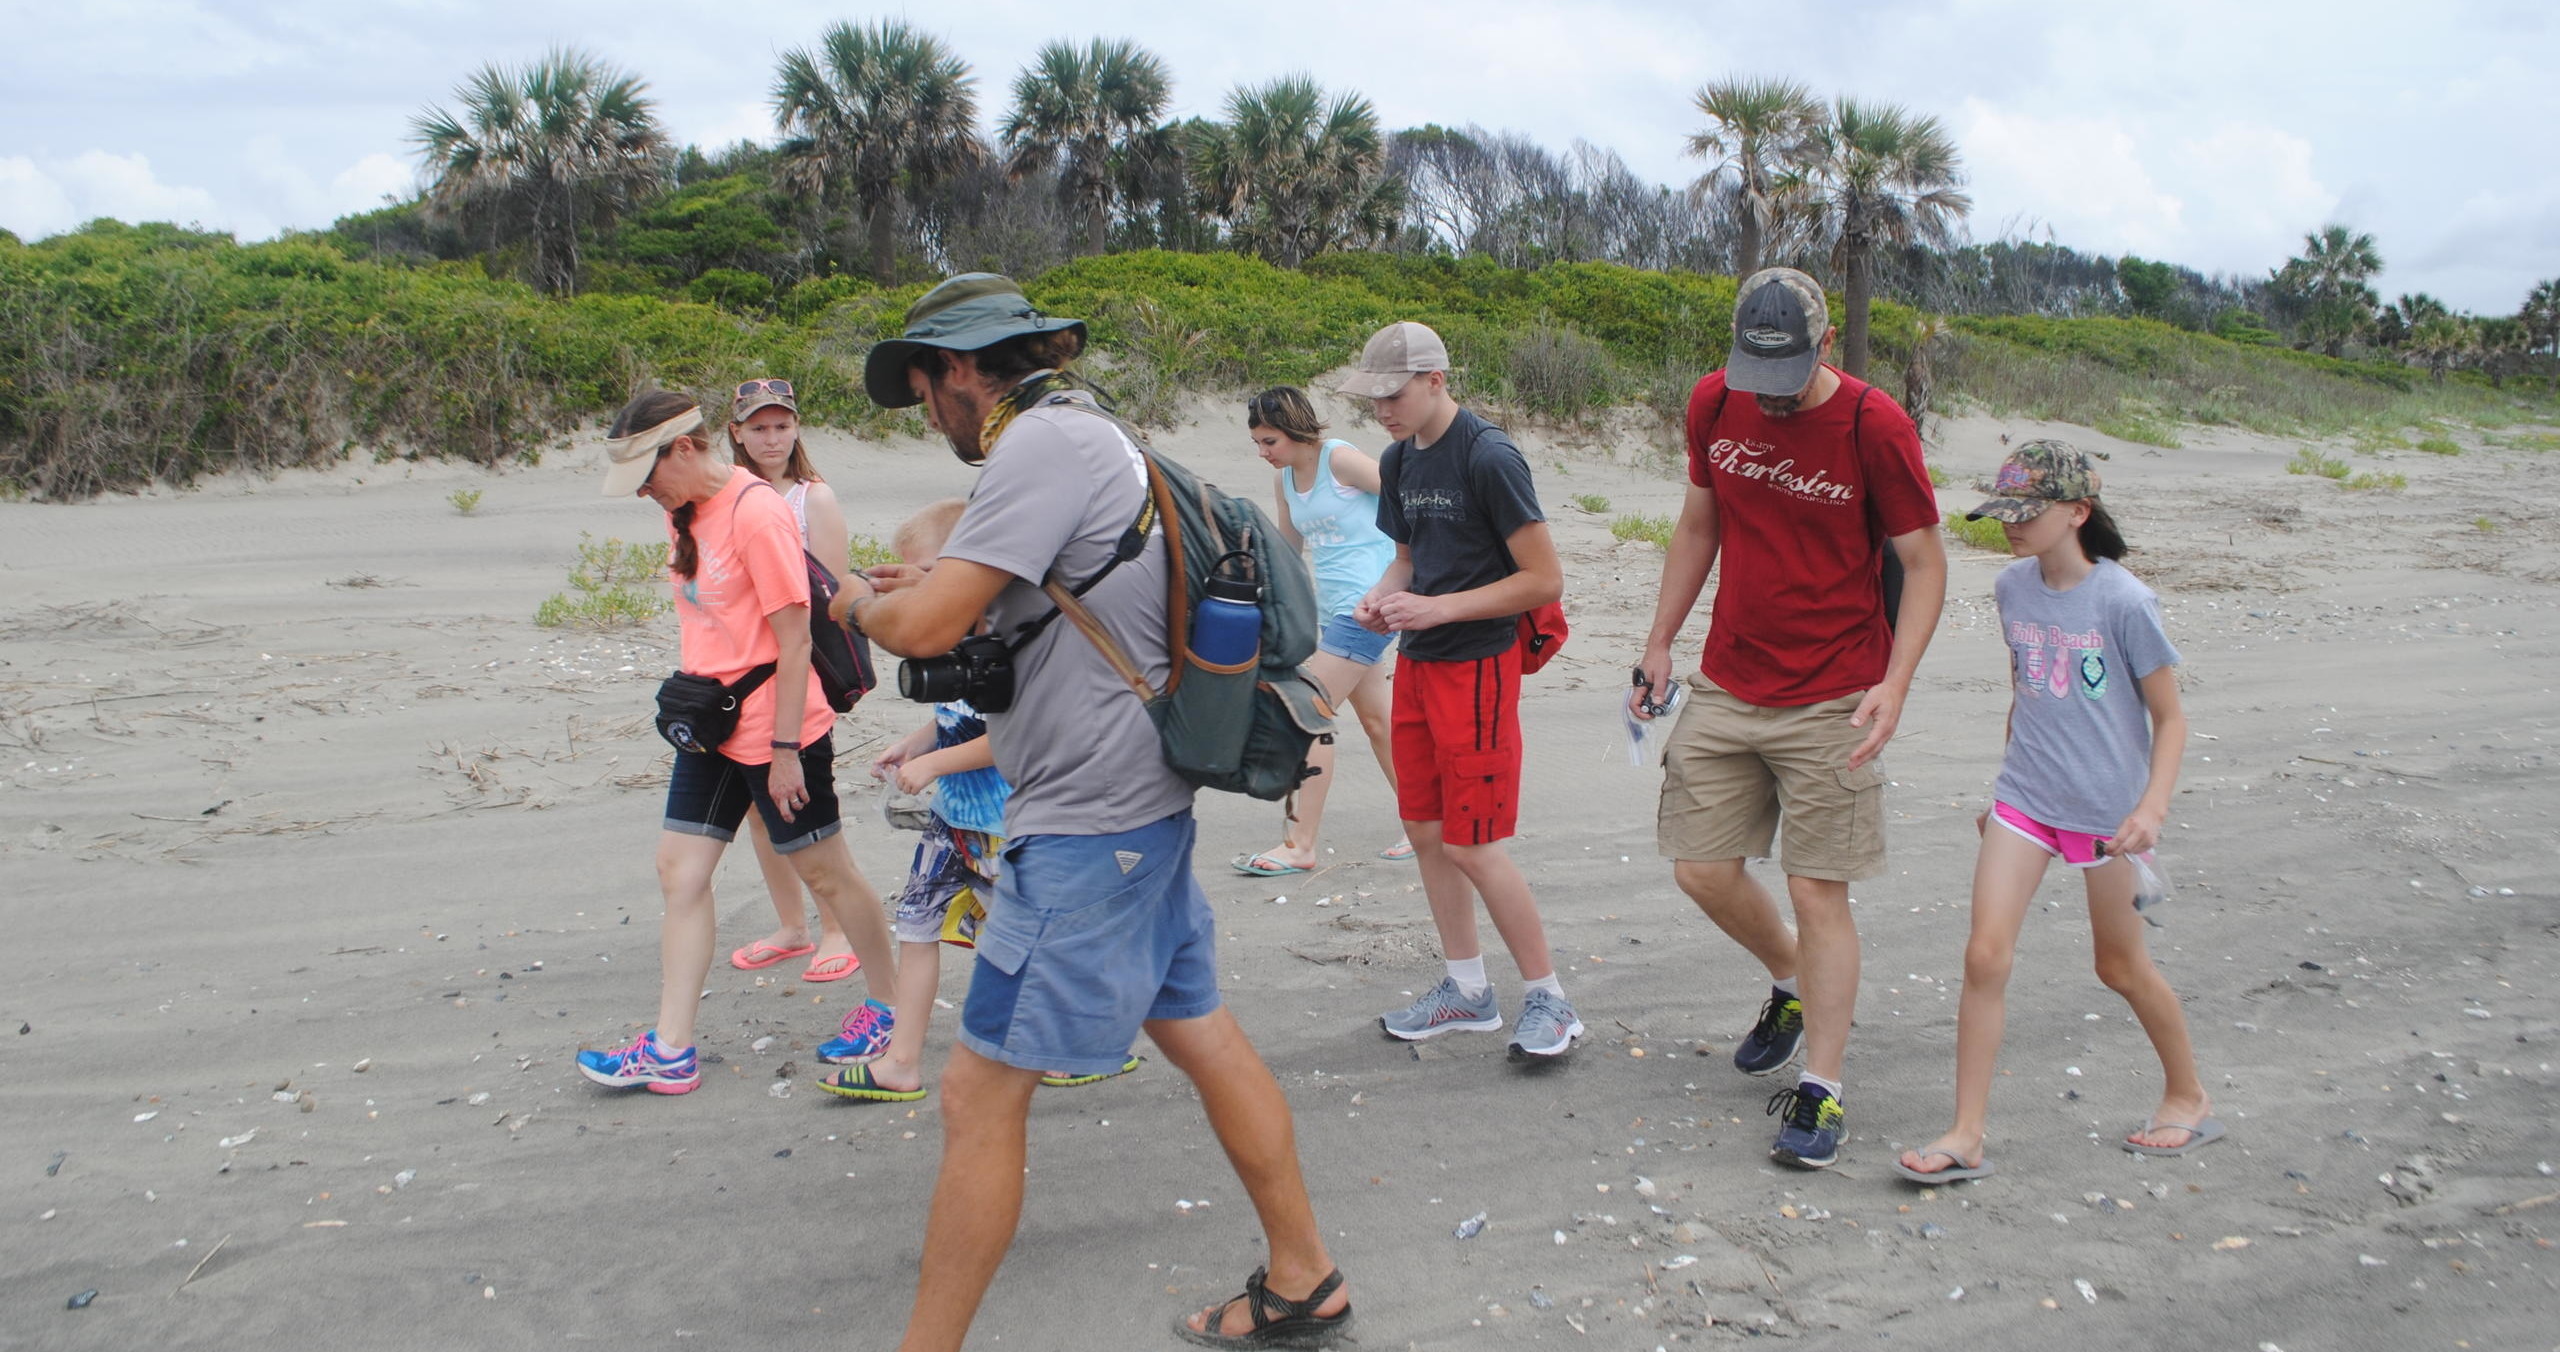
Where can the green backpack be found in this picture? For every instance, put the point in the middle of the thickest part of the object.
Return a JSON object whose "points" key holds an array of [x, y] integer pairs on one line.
{"points": [[1243, 728]]}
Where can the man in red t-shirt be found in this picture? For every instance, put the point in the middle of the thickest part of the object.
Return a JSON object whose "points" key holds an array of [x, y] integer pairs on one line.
{"points": [[1800, 476]]}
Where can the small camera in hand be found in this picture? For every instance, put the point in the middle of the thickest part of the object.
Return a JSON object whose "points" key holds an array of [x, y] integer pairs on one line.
{"points": [[1652, 708], [979, 671]]}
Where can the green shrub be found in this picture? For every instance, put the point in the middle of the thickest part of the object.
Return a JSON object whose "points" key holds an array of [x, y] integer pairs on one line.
{"points": [[614, 583], [2135, 421], [1939, 478], [464, 500], [1592, 503], [1983, 534], [731, 289], [2309, 461], [2390, 483], [865, 551], [2440, 445], [1653, 530], [2483, 524], [1559, 372]]}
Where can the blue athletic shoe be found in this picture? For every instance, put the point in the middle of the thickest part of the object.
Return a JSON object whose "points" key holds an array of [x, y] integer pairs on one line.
{"points": [[1546, 1026], [1774, 1038], [1809, 1134], [1443, 1009], [865, 1038], [644, 1063]]}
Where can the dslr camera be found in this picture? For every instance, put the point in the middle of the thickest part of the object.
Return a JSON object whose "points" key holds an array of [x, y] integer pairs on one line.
{"points": [[980, 671]]}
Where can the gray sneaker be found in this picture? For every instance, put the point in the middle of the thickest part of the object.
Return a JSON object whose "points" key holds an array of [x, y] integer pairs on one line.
{"points": [[1547, 1026], [1443, 1009]]}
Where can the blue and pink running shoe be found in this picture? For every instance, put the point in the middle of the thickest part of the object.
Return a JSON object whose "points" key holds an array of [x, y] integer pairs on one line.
{"points": [[645, 1063], [865, 1038]]}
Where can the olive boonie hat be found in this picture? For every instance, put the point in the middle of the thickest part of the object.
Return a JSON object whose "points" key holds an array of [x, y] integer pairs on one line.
{"points": [[963, 314], [2036, 476]]}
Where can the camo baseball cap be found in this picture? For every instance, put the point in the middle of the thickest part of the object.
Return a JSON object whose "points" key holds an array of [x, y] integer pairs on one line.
{"points": [[2036, 476], [1778, 323]]}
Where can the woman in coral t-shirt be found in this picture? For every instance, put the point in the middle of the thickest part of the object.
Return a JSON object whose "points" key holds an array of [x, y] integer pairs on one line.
{"points": [[742, 601]]}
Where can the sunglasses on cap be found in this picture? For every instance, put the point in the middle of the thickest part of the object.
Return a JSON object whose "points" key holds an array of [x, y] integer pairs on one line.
{"points": [[753, 388]]}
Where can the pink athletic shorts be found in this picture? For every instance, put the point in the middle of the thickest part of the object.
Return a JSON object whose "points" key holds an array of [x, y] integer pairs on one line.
{"points": [[2079, 849]]}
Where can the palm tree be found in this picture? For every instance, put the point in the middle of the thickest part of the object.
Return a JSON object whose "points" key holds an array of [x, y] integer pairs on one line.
{"points": [[1294, 174], [1086, 110], [2329, 279], [2541, 316], [1761, 129], [1876, 176], [564, 143], [877, 111], [2442, 340]]}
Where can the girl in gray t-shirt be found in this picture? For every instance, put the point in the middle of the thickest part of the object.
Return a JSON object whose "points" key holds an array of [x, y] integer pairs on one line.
{"points": [[2095, 735]]}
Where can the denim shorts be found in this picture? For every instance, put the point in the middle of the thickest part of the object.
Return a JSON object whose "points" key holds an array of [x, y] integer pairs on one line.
{"points": [[1089, 937], [1346, 637], [708, 795]]}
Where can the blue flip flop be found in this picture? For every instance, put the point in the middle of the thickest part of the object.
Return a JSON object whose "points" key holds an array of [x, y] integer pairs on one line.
{"points": [[1262, 866]]}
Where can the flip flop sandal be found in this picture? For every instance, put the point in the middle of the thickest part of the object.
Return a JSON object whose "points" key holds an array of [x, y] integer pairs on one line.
{"points": [[759, 955], [1277, 1320], [1399, 852], [855, 1082], [1262, 866], [833, 967], [2199, 1134], [1956, 1171], [1074, 1081]]}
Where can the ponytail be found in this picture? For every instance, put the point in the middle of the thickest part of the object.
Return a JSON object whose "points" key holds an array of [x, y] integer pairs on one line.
{"points": [[2099, 538], [686, 556]]}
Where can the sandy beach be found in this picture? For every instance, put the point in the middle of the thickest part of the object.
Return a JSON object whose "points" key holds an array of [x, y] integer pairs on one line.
{"points": [[322, 860]]}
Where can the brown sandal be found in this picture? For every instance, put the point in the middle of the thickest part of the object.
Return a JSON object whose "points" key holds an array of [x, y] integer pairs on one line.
{"points": [[1277, 1320]]}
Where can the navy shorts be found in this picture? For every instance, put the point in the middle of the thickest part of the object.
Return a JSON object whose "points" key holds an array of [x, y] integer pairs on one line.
{"points": [[1347, 638], [1089, 937], [708, 795]]}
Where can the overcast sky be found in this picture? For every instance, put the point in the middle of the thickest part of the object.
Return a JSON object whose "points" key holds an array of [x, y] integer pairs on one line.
{"points": [[2213, 133]]}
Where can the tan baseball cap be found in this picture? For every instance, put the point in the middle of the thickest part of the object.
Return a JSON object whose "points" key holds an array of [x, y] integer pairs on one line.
{"points": [[1394, 356]]}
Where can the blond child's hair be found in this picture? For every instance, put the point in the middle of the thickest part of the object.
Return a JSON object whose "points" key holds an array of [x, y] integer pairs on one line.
{"points": [[924, 534]]}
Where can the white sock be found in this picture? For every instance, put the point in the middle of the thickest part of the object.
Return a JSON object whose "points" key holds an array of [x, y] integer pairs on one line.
{"points": [[1548, 983], [1472, 982], [1831, 1087], [1788, 985]]}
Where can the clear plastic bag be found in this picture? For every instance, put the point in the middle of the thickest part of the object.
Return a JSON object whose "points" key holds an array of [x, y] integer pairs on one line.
{"points": [[1645, 738], [2150, 888]]}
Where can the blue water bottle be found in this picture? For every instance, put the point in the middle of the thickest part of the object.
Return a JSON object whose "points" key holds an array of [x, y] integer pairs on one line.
{"points": [[1226, 627]]}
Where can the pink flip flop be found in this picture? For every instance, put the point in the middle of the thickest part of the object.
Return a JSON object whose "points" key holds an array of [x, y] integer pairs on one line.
{"points": [[833, 967], [759, 955]]}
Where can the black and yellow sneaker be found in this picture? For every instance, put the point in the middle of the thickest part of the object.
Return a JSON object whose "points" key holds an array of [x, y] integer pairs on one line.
{"points": [[1809, 1135], [1774, 1040]]}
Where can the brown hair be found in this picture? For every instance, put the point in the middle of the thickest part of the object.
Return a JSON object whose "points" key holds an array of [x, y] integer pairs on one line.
{"points": [[1008, 361], [2099, 538], [647, 410], [928, 530], [1285, 410]]}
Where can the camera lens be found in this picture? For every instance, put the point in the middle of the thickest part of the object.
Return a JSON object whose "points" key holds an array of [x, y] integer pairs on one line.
{"points": [[930, 680]]}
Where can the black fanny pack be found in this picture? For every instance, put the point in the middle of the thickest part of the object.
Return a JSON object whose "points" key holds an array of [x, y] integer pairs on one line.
{"points": [[697, 713]]}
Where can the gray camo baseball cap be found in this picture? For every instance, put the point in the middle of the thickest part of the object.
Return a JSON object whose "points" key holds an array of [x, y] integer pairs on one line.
{"points": [[1778, 323]]}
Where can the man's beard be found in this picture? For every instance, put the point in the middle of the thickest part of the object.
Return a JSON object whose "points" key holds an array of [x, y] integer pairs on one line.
{"points": [[961, 420], [1778, 405]]}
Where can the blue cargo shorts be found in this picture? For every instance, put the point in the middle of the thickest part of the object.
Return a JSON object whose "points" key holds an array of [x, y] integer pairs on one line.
{"points": [[1088, 937]]}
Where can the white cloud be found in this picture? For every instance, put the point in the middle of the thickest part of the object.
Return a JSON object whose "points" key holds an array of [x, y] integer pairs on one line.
{"points": [[32, 203], [50, 196], [2258, 193], [2082, 176]]}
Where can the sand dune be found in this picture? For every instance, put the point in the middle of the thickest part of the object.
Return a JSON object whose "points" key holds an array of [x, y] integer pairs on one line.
{"points": [[321, 860]]}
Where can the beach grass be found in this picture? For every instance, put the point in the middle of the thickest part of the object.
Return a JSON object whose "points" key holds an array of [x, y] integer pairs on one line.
{"points": [[1653, 530], [1983, 534]]}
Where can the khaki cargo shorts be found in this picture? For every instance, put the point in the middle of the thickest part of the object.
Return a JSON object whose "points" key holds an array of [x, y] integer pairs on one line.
{"points": [[1734, 773]]}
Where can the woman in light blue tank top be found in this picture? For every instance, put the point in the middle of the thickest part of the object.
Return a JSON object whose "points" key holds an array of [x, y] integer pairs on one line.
{"points": [[1327, 493]]}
